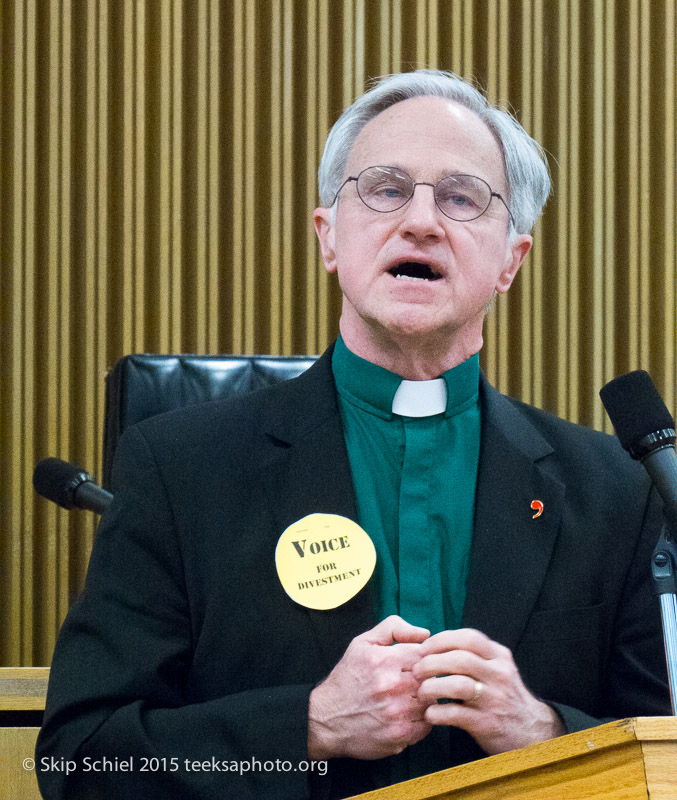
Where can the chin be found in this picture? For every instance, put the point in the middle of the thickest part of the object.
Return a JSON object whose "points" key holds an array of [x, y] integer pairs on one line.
{"points": [[430, 330], [415, 326]]}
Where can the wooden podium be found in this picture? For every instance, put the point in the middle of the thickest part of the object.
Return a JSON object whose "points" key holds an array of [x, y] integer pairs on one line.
{"points": [[626, 760], [22, 698]]}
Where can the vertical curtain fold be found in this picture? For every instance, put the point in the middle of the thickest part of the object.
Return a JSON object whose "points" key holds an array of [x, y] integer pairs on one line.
{"points": [[158, 174]]}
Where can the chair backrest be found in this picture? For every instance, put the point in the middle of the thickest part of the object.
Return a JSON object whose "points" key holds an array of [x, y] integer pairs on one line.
{"points": [[141, 386]]}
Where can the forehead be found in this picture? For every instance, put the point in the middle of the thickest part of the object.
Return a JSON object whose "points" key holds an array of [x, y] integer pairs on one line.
{"points": [[429, 137]]}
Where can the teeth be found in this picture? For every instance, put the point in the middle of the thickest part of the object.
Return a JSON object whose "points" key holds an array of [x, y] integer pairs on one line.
{"points": [[410, 278]]}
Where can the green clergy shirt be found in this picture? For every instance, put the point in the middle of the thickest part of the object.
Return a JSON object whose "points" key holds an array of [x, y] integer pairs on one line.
{"points": [[415, 483]]}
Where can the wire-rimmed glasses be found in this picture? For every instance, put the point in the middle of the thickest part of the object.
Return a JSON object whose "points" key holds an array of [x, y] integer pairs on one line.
{"points": [[459, 197]]}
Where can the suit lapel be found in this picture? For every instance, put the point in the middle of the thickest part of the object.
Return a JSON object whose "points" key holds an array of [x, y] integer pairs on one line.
{"points": [[311, 474], [511, 549]]}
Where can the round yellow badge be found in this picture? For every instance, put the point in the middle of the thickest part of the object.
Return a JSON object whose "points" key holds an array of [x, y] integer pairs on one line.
{"points": [[323, 560]]}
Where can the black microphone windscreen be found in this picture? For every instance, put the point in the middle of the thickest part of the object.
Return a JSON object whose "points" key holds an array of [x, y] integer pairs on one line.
{"points": [[635, 407], [55, 479]]}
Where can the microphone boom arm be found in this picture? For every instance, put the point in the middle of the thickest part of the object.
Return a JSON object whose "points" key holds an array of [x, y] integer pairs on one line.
{"points": [[664, 572]]}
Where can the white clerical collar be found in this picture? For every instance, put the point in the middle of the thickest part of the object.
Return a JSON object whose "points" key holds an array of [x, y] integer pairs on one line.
{"points": [[420, 398]]}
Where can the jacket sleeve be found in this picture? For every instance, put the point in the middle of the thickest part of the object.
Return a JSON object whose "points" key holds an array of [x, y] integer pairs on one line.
{"points": [[119, 722], [633, 676]]}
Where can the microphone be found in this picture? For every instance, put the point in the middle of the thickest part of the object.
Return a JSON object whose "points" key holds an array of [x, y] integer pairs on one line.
{"points": [[69, 486], [646, 430]]}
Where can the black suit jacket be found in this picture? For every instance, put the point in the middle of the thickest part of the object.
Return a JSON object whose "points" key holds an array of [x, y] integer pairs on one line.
{"points": [[184, 645]]}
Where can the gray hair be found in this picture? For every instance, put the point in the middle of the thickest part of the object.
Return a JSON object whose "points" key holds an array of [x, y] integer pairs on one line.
{"points": [[526, 167]]}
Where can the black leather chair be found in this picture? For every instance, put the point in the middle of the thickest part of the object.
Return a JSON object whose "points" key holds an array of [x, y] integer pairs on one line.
{"points": [[141, 386]]}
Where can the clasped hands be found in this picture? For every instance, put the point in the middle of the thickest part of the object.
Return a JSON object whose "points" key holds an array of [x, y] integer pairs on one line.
{"points": [[382, 695]]}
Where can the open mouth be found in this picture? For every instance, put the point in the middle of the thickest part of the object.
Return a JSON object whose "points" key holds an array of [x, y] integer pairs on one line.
{"points": [[414, 271]]}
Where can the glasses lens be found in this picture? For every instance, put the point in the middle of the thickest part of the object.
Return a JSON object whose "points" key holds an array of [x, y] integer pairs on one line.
{"points": [[384, 188], [463, 197]]}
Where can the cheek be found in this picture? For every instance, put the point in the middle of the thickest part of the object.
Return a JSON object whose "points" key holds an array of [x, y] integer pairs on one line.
{"points": [[478, 263], [359, 245], [483, 253]]}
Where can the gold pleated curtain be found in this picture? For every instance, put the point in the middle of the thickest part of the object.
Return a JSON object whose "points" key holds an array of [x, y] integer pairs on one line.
{"points": [[158, 173]]}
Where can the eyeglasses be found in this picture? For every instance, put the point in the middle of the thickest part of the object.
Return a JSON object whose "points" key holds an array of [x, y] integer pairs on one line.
{"points": [[459, 197]]}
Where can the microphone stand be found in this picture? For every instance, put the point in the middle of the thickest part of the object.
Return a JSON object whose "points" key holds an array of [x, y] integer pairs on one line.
{"points": [[664, 571]]}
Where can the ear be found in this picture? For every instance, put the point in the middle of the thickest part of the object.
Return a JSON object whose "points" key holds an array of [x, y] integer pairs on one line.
{"points": [[325, 233], [516, 252]]}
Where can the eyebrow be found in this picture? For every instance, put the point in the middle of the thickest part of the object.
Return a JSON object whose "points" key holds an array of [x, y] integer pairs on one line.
{"points": [[439, 175]]}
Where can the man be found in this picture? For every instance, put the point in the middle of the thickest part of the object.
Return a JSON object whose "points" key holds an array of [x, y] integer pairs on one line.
{"points": [[510, 601]]}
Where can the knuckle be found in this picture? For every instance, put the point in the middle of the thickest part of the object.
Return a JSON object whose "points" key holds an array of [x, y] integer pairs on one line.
{"points": [[386, 683], [372, 657], [390, 623], [402, 711], [358, 648], [505, 653], [492, 728], [502, 668], [401, 732], [507, 671]]}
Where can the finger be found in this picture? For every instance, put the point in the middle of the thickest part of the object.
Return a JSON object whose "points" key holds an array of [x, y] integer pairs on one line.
{"points": [[462, 639], [452, 687], [411, 686], [405, 656], [395, 629], [460, 715], [397, 683], [457, 662]]}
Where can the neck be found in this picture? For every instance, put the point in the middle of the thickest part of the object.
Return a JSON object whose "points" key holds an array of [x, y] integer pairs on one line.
{"points": [[414, 358]]}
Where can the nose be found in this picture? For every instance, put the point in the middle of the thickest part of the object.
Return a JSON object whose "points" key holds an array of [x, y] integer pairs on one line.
{"points": [[421, 216]]}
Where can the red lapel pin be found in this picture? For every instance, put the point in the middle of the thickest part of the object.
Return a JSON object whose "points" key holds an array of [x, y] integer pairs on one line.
{"points": [[537, 506]]}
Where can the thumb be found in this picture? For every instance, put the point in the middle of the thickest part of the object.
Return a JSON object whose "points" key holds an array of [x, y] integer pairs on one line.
{"points": [[394, 629]]}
